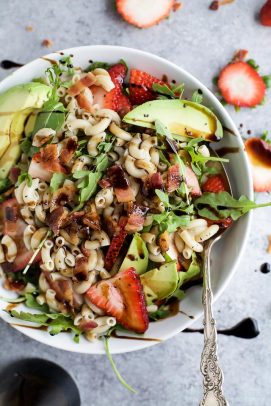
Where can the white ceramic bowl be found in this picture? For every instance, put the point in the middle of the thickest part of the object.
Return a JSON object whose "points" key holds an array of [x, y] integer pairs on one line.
{"points": [[226, 254]]}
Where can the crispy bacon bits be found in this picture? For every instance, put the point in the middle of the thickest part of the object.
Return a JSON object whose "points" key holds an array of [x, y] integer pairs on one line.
{"points": [[136, 218]]}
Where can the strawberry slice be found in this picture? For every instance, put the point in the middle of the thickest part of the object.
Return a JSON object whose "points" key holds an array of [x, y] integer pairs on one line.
{"points": [[265, 14], [122, 297], [140, 86], [115, 99], [259, 154], [114, 249], [241, 85], [215, 184], [142, 13]]}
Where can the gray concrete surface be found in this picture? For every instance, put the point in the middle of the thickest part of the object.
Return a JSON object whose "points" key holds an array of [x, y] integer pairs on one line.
{"points": [[200, 41]]}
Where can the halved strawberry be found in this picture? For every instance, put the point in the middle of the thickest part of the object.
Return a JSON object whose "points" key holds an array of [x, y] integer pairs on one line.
{"points": [[215, 184], [265, 14], [114, 249], [140, 86], [259, 154], [116, 99], [122, 297], [241, 85], [144, 13]]}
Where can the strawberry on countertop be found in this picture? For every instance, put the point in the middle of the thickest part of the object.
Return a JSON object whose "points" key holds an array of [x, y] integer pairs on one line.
{"points": [[123, 298], [140, 86], [142, 13], [259, 154], [241, 85], [265, 14]]}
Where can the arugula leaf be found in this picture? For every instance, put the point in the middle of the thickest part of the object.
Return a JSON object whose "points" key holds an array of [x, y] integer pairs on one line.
{"points": [[162, 158], [197, 96], [31, 302], [51, 116], [54, 73], [179, 89], [215, 206], [163, 89], [4, 184], [95, 65], [161, 313], [56, 322], [105, 146], [267, 81], [115, 369], [88, 184], [198, 160], [163, 197], [265, 137], [27, 148], [101, 162], [170, 221], [57, 180], [24, 177]]}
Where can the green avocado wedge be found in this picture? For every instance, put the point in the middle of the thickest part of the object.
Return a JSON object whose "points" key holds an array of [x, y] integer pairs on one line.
{"points": [[181, 117], [18, 99], [137, 256], [160, 283]]}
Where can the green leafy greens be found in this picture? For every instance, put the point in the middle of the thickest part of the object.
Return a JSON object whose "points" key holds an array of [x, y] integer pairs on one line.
{"points": [[51, 116], [56, 322], [57, 180], [215, 206]]}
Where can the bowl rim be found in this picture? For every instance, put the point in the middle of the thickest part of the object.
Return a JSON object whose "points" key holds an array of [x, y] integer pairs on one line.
{"points": [[224, 115]]}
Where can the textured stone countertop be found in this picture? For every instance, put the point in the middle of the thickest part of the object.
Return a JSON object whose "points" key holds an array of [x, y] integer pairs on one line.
{"points": [[201, 41]]}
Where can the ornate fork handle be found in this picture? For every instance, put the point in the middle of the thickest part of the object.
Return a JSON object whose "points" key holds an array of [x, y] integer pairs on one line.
{"points": [[212, 373]]}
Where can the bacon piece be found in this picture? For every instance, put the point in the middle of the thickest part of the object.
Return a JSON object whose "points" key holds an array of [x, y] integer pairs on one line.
{"points": [[80, 85], [81, 269], [84, 102], [154, 181], [87, 325], [14, 174], [47, 157], [63, 195], [92, 218], [192, 182], [136, 218], [68, 151], [120, 183], [173, 178], [64, 291], [104, 183], [56, 219]]}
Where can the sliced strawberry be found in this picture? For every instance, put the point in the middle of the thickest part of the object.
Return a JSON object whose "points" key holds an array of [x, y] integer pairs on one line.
{"points": [[265, 14], [241, 85], [192, 182], [215, 184], [122, 297], [142, 13], [140, 86], [114, 249], [224, 223], [259, 153], [116, 99]]}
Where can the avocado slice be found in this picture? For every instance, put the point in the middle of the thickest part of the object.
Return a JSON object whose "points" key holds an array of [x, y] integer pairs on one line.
{"points": [[182, 117], [137, 256], [17, 99], [160, 283]]}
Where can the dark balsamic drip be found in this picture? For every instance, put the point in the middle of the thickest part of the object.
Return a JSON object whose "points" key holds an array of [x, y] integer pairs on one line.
{"points": [[7, 64], [228, 130], [227, 150], [114, 334], [265, 268], [247, 328]]}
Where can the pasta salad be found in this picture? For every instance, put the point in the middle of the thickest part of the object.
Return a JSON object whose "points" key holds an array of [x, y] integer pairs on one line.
{"points": [[109, 190]]}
